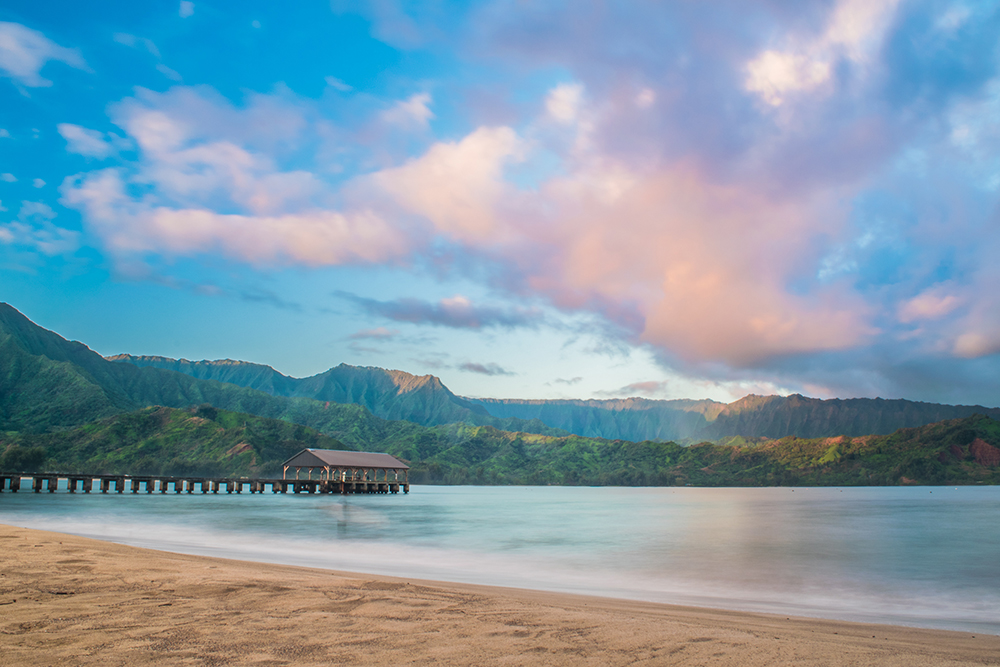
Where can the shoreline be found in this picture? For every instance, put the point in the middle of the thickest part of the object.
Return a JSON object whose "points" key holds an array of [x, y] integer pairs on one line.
{"points": [[85, 600]]}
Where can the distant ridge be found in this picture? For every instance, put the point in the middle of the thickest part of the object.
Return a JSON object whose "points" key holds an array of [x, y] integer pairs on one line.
{"points": [[389, 394], [751, 416], [634, 419], [425, 400]]}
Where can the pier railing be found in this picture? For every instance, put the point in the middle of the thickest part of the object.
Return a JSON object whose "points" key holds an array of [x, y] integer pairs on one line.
{"points": [[49, 482]]}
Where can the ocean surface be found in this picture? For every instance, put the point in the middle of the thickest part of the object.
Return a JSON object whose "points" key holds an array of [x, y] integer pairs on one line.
{"points": [[920, 556]]}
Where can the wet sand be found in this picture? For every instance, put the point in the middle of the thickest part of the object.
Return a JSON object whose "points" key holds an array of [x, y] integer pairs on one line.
{"points": [[76, 601]]}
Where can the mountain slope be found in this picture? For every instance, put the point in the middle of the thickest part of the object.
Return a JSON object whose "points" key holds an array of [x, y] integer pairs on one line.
{"points": [[425, 400], [780, 416], [389, 394], [634, 419], [48, 383], [167, 441]]}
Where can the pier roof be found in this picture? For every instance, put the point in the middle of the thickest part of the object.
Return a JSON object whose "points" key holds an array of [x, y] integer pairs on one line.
{"points": [[335, 458]]}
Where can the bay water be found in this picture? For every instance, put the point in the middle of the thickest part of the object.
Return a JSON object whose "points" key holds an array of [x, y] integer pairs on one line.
{"points": [[920, 556]]}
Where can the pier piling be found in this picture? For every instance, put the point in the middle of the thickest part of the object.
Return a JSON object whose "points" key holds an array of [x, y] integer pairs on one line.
{"points": [[345, 482]]}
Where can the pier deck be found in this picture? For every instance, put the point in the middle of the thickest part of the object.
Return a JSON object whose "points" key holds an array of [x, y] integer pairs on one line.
{"points": [[49, 482]]}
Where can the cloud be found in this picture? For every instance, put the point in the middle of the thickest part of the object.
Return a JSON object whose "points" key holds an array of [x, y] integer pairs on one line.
{"points": [[563, 102], [484, 369], [137, 42], [186, 9], [8, 178], [570, 381], [456, 312], [34, 229], [91, 143], [648, 388], [337, 84], [457, 186], [24, 52], [414, 111], [169, 73], [854, 31], [379, 333], [976, 344], [38, 183], [311, 238], [4, 134], [930, 304]]}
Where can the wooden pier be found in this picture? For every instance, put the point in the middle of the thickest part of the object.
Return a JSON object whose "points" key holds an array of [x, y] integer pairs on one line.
{"points": [[336, 471], [49, 482]]}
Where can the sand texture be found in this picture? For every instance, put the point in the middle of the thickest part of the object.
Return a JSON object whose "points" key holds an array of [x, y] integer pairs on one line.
{"points": [[68, 600]]}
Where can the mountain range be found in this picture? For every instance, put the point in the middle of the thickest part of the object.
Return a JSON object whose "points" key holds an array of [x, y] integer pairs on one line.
{"points": [[425, 400]]}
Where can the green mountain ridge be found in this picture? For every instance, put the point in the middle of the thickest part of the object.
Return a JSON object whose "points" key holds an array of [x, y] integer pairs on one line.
{"points": [[425, 400], [389, 394]]}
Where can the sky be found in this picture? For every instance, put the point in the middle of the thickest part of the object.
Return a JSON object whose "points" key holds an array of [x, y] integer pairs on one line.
{"points": [[527, 199]]}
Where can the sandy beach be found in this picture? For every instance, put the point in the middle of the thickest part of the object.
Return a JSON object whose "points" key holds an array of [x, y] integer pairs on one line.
{"points": [[77, 601]]}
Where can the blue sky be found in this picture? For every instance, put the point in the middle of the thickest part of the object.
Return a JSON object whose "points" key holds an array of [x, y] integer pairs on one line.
{"points": [[535, 200]]}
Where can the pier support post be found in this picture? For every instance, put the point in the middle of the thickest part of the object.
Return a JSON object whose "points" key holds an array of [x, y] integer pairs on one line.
{"points": [[15, 483], [105, 483], [119, 484], [72, 484], [135, 485], [88, 484], [52, 483]]}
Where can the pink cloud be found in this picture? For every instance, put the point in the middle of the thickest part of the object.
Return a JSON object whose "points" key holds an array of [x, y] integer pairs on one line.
{"points": [[312, 238]]}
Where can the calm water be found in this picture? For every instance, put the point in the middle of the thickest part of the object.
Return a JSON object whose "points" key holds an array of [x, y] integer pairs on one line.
{"points": [[924, 556]]}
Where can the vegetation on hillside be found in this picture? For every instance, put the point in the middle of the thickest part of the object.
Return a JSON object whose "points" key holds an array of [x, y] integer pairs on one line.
{"points": [[208, 441], [166, 441]]}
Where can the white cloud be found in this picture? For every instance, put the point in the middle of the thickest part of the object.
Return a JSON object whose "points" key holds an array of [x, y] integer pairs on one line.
{"points": [[455, 185], [336, 83], [931, 304], [563, 102], [645, 98], [976, 344], [186, 9], [137, 42], [173, 75], [34, 229], [87, 142], [413, 111], [313, 238], [8, 178], [23, 53], [774, 74], [38, 183], [854, 30], [4, 134]]}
